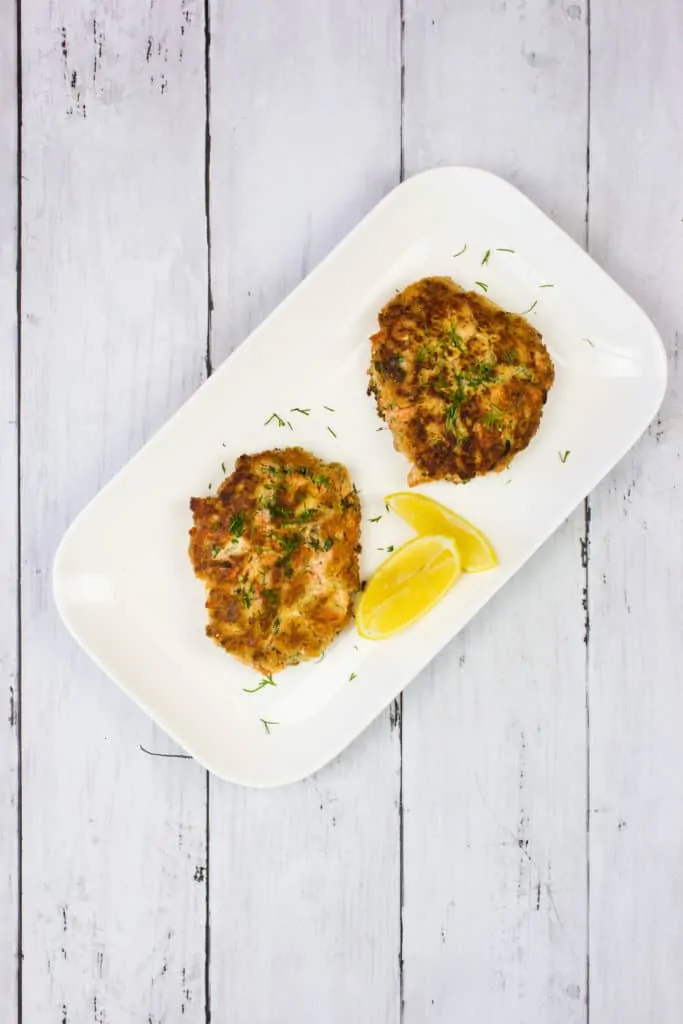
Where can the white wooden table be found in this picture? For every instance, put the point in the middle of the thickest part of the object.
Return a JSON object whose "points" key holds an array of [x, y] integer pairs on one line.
{"points": [[506, 845]]}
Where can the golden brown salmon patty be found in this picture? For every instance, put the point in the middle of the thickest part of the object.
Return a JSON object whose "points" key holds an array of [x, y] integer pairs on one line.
{"points": [[460, 382], [278, 549]]}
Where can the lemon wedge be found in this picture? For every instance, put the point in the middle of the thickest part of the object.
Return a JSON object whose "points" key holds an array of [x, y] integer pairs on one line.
{"points": [[427, 516], [407, 585]]}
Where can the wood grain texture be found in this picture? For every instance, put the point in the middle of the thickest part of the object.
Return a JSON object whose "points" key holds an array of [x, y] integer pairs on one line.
{"points": [[9, 669], [305, 129], [494, 733], [114, 327], [636, 586]]}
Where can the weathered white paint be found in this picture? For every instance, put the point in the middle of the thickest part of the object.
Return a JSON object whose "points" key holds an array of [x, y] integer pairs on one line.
{"points": [[636, 579], [494, 733], [9, 910], [114, 328], [305, 128], [305, 882]]}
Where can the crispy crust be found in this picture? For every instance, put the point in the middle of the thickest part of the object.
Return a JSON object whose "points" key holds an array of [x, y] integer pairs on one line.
{"points": [[460, 382], [278, 550]]}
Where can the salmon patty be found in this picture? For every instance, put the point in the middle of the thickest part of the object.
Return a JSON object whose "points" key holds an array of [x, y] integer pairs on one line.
{"points": [[277, 548], [460, 382]]}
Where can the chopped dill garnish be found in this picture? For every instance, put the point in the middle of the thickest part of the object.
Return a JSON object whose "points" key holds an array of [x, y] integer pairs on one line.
{"points": [[454, 337], [245, 594], [267, 724], [486, 257], [306, 514], [278, 419], [493, 417], [505, 250], [223, 467], [375, 520], [303, 412], [237, 524], [352, 677], [591, 343], [209, 486], [483, 285], [389, 548], [387, 506], [564, 456], [461, 251], [266, 681], [331, 431], [531, 308], [328, 544], [380, 428], [290, 425], [546, 286], [329, 408], [216, 550], [454, 408]]}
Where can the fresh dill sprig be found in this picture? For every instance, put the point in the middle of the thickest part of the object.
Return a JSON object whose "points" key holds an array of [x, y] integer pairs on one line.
{"points": [[278, 419], [262, 683]]}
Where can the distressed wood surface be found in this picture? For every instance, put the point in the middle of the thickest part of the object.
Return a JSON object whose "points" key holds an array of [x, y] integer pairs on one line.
{"points": [[305, 138], [635, 578], [9, 701], [494, 734], [114, 299], [441, 869]]}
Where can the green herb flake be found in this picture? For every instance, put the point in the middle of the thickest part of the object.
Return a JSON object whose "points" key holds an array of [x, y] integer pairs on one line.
{"points": [[546, 286], [278, 419], [389, 548], [564, 456], [454, 337], [483, 285], [486, 257], [531, 308], [352, 677], [216, 550], [266, 724], [590, 342], [329, 408], [266, 681], [387, 506], [209, 486], [328, 544], [461, 251], [493, 418], [505, 250], [237, 524], [331, 431], [302, 412], [376, 519]]}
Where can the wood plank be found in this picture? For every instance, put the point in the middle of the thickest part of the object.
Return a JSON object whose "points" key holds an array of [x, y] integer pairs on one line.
{"points": [[305, 139], [114, 329], [9, 684], [494, 740], [635, 586]]}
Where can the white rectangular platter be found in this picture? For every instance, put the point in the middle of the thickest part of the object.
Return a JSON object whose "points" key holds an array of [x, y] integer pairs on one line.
{"points": [[123, 582]]}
